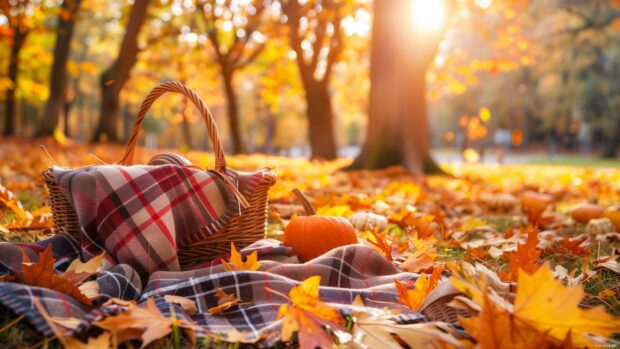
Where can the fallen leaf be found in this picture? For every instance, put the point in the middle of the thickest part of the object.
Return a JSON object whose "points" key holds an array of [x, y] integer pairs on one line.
{"points": [[545, 304], [224, 301], [380, 242], [307, 314], [379, 331], [42, 274], [525, 258], [144, 322], [579, 247], [609, 263], [187, 304], [422, 287], [494, 328], [236, 263], [78, 271]]}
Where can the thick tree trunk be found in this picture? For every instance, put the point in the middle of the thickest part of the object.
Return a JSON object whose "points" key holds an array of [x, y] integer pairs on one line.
{"points": [[58, 80], [233, 111], [321, 121], [397, 131], [10, 116], [114, 78]]}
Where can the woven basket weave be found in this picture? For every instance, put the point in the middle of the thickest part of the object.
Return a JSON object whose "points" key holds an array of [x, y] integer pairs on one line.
{"points": [[243, 229]]}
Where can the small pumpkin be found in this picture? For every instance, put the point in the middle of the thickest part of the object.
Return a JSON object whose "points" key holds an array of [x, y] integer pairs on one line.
{"points": [[613, 214], [366, 221], [585, 211], [598, 226], [534, 201], [311, 236], [502, 202]]}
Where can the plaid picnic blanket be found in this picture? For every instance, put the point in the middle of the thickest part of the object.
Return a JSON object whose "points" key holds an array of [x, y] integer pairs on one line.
{"points": [[345, 273], [141, 215]]}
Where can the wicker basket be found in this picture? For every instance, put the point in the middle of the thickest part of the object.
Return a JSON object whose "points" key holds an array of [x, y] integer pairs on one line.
{"points": [[436, 308], [243, 229]]}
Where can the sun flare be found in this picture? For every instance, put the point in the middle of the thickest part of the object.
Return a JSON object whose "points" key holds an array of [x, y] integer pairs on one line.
{"points": [[428, 15]]}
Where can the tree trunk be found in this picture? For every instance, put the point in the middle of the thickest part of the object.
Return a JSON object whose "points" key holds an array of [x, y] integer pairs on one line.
{"points": [[321, 121], [114, 78], [58, 81], [233, 111], [397, 132], [10, 104]]}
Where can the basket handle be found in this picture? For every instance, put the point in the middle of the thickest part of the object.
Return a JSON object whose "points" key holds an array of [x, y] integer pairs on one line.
{"points": [[173, 86]]}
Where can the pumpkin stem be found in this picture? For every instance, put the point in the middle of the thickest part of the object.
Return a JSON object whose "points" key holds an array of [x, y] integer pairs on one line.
{"points": [[310, 211]]}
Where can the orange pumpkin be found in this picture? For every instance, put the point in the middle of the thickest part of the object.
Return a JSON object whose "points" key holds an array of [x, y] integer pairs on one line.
{"points": [[613, 214], [311, 236], [534, 201], [586, 211]]}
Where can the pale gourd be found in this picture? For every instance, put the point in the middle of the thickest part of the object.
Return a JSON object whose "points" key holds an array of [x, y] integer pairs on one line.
{"points": [[599, 226], [502, 202], [367, 221]]}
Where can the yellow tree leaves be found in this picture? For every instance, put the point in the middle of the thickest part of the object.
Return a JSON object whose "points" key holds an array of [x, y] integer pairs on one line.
{"points": [[543, 311], [42, 274], [422, 287], [236, 262], [306, 314]]}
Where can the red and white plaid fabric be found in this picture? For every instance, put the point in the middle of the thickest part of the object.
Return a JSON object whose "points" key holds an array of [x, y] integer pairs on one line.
{"points": [[141, 215]]}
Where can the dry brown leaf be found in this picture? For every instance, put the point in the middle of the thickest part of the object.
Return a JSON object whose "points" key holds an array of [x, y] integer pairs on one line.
{"points": [[377, 331], [42, 274], [187, 304], [78, 271], [224, 301]]}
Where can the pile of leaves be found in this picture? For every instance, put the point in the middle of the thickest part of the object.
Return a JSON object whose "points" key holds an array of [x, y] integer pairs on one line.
{"points": [[530, 275]]}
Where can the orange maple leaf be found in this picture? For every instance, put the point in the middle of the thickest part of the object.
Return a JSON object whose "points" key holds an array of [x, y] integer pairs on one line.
{"points": [[379, 240], [525, 258], [42, 274], [307, 314], [574, 248], [422, 287], [236, 262]]}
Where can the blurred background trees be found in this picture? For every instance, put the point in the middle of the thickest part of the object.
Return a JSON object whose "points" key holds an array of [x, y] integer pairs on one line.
{"points": [[320, 78]]}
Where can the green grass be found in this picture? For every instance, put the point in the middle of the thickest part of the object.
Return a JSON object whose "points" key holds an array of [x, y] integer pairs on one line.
{"points": [[575, 160]]}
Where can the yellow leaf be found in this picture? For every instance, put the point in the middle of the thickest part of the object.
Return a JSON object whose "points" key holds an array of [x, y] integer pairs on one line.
{"points": [[236, 263], [544, 303], [494, 328], [422, 287], [307, 314], [78, 271]]}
